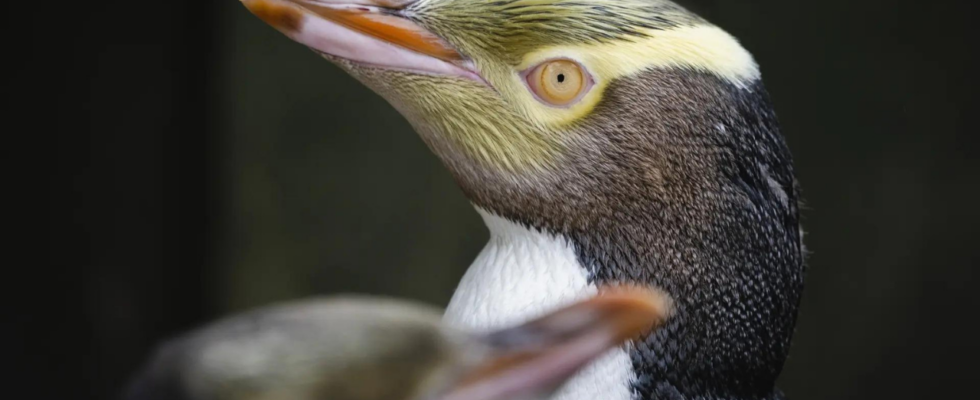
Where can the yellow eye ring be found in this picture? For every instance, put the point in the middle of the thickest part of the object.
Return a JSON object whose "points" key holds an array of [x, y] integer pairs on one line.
{"points": [[559, 82]]}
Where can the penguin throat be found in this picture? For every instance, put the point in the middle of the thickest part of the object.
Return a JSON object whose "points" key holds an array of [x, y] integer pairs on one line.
{"points": [[522, 274]]}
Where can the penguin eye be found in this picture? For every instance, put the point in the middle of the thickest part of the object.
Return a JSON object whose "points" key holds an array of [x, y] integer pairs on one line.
{"points": [[559, 82]]}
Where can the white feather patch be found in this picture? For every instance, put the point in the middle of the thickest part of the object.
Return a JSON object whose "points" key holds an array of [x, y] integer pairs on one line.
{"points": [[522, 274]]}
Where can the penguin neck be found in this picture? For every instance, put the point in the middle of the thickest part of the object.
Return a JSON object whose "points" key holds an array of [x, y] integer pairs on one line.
{"points": [[701, 206], [521, 274]]}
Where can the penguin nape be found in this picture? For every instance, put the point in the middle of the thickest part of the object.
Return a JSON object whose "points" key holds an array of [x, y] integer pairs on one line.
{"points": [[371, 348], [603, 142]]}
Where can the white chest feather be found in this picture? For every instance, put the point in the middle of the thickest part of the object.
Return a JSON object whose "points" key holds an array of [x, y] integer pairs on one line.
{"points": [[523, 274]]}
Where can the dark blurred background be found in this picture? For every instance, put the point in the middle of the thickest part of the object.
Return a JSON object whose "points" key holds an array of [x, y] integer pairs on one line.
{"points": [[202, 164]]}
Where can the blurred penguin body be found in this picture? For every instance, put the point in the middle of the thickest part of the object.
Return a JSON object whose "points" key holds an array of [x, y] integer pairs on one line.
{"points": [[363, 348], [318, 349]]}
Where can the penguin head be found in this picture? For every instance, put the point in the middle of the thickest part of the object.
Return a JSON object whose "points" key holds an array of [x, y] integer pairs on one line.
{"points": [[524, 99]]}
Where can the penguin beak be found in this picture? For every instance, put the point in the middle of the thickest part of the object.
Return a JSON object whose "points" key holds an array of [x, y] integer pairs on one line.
{"points": [[369, 32], [539, 356]]}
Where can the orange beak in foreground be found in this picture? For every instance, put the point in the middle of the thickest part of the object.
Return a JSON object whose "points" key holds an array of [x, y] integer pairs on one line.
{"points": [[537, 357]]}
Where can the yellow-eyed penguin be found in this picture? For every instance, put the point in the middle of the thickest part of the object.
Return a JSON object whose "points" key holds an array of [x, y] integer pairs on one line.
{"points": [[602, 141]]}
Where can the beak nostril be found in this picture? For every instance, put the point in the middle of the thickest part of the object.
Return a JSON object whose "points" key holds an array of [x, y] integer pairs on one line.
{"points": [[283, 17]]}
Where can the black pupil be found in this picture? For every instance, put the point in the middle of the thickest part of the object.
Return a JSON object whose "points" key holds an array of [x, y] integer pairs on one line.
{"points": [[561, 78]]}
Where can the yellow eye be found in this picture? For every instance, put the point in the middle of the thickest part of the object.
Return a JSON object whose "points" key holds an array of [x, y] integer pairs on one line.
{"points": [[559, 82]]}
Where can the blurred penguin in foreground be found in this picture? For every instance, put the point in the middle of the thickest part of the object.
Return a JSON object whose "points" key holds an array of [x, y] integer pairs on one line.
{"points": [[362, 348]]}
